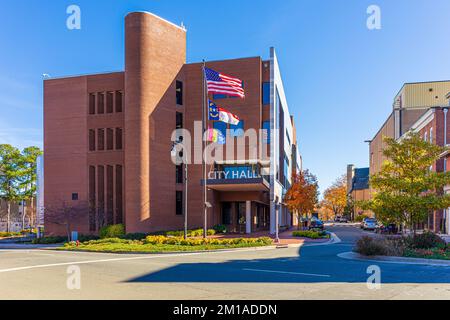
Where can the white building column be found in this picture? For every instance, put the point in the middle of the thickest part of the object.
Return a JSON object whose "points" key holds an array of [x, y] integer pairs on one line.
{"points": [[248, 217]]}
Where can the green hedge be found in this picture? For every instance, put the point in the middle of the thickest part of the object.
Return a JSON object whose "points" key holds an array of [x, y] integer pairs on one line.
{"points": [[311, 234], [112, 231], [50, 240], [177, 241], [9, 234]]}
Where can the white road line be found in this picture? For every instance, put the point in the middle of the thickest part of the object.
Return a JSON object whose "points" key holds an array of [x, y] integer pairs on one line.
{"points": [[148, 257], [294, 273]]}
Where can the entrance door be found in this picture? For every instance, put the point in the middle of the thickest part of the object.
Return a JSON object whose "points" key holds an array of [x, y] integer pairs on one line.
{"points": [[226, 214]]}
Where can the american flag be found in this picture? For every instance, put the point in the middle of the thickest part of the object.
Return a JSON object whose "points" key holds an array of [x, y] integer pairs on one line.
{"points": [[223, 84]]}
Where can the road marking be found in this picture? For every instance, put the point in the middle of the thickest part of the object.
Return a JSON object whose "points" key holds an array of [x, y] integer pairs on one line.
{"points": [[148, 257], [287, 272]]}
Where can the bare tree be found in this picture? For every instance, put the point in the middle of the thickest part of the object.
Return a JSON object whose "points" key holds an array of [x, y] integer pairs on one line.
{"points": [[67, 215]]}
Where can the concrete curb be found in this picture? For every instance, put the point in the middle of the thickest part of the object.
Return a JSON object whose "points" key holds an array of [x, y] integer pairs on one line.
{"points": [[395, 260], [333, 240]]}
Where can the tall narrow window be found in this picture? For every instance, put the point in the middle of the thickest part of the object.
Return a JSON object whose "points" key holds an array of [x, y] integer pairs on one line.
{"points": [[179, 174], [119, 196], [92, 103], [109, 139], [110, 102], [119, 139], [179, 90], [101, 139], [179, 203], [179, 120], [92, 200], [109, 195], [91, 140], [101, 103], [101, 196], [431, 135], [266, 93], [119, 101]]}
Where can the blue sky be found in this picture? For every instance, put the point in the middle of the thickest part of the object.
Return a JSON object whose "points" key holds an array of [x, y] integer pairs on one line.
{"points": [[340, 77]]}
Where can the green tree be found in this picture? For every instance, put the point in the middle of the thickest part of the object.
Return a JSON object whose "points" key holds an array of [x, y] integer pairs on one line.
{"points": [[407, 190], [10, 159], [27, 177]]}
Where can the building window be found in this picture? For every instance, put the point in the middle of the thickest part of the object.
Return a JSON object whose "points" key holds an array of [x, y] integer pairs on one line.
{"points": [[237, 130], [179, 203], [266, 93], [266, 132], [179, 120], [74, 196], [101, 139], [92, 103], [179, 91], [109, 139], [119, 195], [119, 101], [431, 135], [91, 140], [109, 102], [92, 200], [179, 174], [101, 103], [425, 137], [119, 139]]}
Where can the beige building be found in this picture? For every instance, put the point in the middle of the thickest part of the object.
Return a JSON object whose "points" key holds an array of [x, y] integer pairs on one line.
{"points": [[411, 103]]}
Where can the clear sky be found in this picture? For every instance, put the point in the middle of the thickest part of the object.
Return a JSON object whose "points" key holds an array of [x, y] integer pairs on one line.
{"points": [[340, 78]]}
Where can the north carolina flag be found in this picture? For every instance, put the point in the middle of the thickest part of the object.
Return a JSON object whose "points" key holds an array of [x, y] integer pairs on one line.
{"points": [[219, 114]]}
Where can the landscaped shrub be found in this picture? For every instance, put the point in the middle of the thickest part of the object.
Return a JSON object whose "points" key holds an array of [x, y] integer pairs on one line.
{"points": [[220, 228], [85, 238], [311, 234], [113, 231], [425, 240], [161, 240], [135, 236], [50, 240], [370, 247], [190, 233], [9, 234]]}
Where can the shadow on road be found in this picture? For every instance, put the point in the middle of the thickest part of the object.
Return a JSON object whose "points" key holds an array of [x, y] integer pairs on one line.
{"points": [[313, 265]]}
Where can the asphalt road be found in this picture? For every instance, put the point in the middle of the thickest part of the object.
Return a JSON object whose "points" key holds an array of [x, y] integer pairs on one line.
{"points": [[311, 272]]}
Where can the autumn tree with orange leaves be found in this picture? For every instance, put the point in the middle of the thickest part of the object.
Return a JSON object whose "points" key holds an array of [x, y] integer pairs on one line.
{"points": [[303, 196], [335, 197]]}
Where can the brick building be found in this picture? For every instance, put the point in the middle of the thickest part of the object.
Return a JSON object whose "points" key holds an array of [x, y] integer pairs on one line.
{"points": [[108, 138]]}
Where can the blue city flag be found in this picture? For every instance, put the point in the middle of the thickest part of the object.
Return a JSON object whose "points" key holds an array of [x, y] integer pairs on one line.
{"points": [[213, 112]]}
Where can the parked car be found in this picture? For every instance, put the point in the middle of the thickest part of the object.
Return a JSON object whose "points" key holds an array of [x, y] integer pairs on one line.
{"points": [[370, 224], [387, 229], [316, 224]]}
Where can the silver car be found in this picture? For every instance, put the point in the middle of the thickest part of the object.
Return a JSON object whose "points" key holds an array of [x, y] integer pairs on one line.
{"points": [[369, 224]]}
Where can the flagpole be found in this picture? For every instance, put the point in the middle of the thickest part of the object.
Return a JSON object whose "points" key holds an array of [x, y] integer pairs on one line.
{"points": [[204, 144]]}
